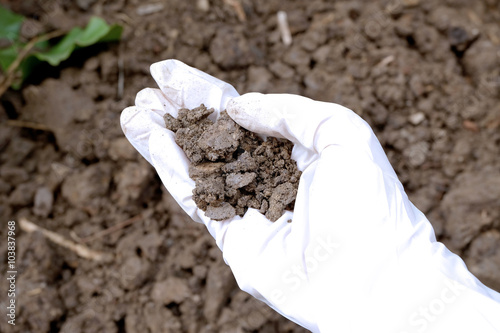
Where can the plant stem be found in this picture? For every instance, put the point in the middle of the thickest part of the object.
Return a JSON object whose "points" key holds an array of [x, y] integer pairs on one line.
{"points": [[11, 71]]}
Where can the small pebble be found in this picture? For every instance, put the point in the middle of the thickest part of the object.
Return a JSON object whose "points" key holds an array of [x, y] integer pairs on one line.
{"points": [[417, 118], [44, 200], [149, 9], [203, 5]]}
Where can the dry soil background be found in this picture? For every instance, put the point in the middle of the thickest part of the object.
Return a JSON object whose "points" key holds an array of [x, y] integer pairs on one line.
{"points": [[424, 74]]}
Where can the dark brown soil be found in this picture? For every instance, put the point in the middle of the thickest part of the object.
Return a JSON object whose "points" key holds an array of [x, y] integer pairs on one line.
{"points": [[235, 169], [424, 74]]}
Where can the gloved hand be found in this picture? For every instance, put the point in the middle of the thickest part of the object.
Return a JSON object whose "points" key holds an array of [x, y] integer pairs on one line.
{"points": [[358, 255]]}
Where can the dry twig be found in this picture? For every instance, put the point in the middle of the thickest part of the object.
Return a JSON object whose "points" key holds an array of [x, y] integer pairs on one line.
{"points": [[238, 8], [28, 124], [79, 249], [121, 75], [111, 229], [286, 35]]}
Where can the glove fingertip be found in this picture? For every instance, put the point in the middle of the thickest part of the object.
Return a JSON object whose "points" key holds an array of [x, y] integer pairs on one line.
{"points": [[131, 123], [249, 112], [172, 165], [125, 118], [154, 99]]}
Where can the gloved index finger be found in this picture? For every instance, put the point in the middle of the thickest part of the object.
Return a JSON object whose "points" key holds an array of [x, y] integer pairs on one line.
{"points": [[187, 87], [313, 124]]}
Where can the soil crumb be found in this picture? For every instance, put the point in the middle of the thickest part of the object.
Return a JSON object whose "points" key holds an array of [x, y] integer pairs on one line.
{"points": [[234, 169]]}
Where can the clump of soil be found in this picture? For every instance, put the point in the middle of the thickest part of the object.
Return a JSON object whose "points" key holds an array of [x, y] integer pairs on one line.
{"points": [[235, 169]]}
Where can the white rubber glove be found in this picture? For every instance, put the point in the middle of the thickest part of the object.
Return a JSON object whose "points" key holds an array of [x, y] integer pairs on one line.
{"points": [[358, 256]]}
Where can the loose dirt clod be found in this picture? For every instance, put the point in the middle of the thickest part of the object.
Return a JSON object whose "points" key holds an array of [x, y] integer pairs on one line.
{"points": [[235, 169]]}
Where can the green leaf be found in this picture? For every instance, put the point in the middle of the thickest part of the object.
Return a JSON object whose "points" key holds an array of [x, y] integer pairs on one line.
{"points": [[7, 57], [97, 30], [27, 66], [10, 24], [62, 50], [114, 34]]}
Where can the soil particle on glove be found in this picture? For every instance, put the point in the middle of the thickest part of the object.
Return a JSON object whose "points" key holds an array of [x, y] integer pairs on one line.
{"points": [[234, 169]]}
